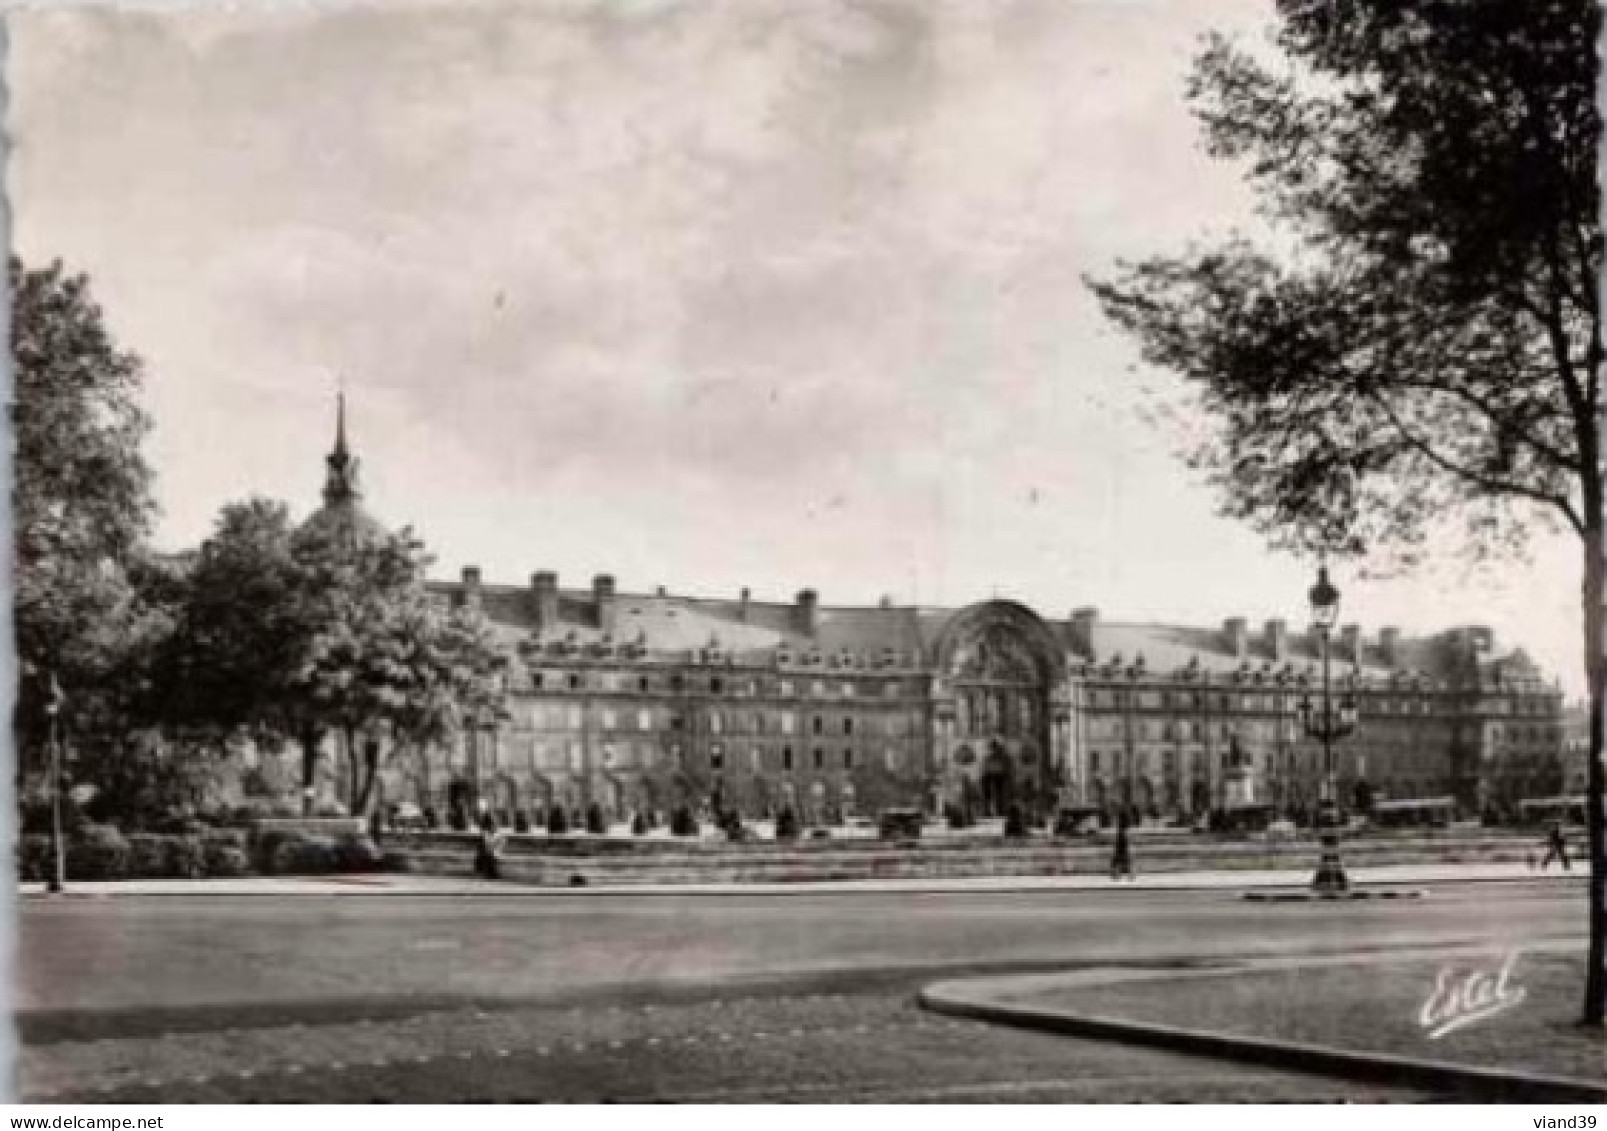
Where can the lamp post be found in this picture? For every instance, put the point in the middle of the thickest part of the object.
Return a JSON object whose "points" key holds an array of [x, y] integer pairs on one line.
{"points": [[1328, 725], [58, 864]]}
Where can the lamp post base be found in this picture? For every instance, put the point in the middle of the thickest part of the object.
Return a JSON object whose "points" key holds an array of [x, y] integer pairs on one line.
{"points": [[1330, 875]]}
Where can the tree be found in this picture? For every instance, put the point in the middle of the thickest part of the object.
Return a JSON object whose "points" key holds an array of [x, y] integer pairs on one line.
{"points": [[388, 665], [1424, 344], [297, 635], [246, 623], [82, 508]]}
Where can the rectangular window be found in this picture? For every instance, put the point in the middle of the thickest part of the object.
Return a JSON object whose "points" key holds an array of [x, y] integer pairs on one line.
{"points": [[789, 722], [575, 720], [642, 684], [676, 722], [890, 760], [574, 681], [819, 724], [644, 719], [820, 758], [848, 690], [848, 759], [1093, 761], [848, 726], [716, 723], [610, 719], [786, 758], [535, 681], [716, 757], [716, 685]]}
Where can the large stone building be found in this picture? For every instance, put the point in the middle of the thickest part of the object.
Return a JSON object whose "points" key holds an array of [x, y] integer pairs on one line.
{"points": [[648, 700]]}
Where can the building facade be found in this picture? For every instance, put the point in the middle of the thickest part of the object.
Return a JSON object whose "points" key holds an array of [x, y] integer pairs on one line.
{"points": [[645, 701]]}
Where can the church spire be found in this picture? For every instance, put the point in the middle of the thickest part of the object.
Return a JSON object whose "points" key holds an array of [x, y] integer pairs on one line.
{"points": [[340, 484]]}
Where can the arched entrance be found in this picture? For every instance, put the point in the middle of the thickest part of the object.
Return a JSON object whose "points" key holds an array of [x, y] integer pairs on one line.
{"points": [[998, 782], [999, 663]]}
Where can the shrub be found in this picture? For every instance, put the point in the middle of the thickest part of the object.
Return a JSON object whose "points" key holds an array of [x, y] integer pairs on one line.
{"points": [[98, 852], [1015, 823], [504, 819], [955, 816], [184, 857], [224, 854], [787, 824], [357, 854], [287, 852], [147, 856], [638, 825], [596, 824], [306, 856], [432, 819], [36, 858], [521, 821], [682, 823], [557, 821]]}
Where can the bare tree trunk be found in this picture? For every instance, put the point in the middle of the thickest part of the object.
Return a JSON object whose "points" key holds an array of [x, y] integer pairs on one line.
{"points": [[1596, 669]]}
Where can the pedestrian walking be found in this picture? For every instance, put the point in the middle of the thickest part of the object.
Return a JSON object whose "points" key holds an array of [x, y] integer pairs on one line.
{"points": [[1556, 846], [486, 863], [1121, 858]]}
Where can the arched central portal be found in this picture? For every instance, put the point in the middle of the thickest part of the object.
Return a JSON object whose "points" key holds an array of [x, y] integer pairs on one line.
{"points": [[999, 663]]}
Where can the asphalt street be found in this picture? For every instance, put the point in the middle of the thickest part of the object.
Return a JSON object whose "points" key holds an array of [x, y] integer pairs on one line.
{"points": [[595, 997]]}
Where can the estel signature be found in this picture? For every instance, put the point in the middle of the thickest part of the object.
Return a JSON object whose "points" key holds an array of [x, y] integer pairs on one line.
{"points": [[1462, 996]]}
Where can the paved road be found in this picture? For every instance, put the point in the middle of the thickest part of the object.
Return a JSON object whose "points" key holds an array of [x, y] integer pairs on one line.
{"points": [[513, 997]]}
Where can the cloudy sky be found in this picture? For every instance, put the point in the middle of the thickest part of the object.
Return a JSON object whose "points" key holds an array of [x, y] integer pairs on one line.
{"points": [[705, 293]]}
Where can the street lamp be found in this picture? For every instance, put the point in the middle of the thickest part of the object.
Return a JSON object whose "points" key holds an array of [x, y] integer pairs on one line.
{"points": [[1328, 725], [58, 867]]}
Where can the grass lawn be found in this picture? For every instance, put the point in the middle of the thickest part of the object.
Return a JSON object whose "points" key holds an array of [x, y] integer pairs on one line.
{"points": [[1374, 1007]]}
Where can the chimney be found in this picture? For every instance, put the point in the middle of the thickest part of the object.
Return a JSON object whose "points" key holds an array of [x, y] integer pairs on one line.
{"points": [[1278, 639], [602, 595], [471, 587], [1237, 631], [742, 609], [808, 611], [544, 587], [1389, 642], [1350, 643], [1082, 631]]}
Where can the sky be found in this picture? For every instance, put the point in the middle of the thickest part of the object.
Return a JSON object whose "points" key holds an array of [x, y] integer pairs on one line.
{"points": [[708, 295]]}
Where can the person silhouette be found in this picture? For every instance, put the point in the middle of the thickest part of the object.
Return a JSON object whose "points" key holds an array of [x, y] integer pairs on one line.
{"points": [[1121, 857], [1556, 846]]}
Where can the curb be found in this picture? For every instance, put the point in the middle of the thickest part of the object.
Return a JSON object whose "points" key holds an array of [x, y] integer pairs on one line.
{"points": [[517, 889], [1306, 896], [951, 999]]}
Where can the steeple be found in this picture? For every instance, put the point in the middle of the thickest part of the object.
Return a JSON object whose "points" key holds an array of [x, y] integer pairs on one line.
{"points": [[340, 485]]}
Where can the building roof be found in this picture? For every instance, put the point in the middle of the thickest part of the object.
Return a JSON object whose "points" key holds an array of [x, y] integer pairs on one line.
{"points": [[676, 627]]}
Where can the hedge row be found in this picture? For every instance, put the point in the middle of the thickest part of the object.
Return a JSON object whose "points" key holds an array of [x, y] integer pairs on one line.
{"points": [[103, 852]]}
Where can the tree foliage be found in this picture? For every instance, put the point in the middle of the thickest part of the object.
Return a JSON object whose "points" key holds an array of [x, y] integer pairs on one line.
{"points": [[1423, 345], [81, 498], [302, 635]]}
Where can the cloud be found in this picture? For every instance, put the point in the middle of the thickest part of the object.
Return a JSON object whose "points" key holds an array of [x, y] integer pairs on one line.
{"points": [[719, 291]]}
